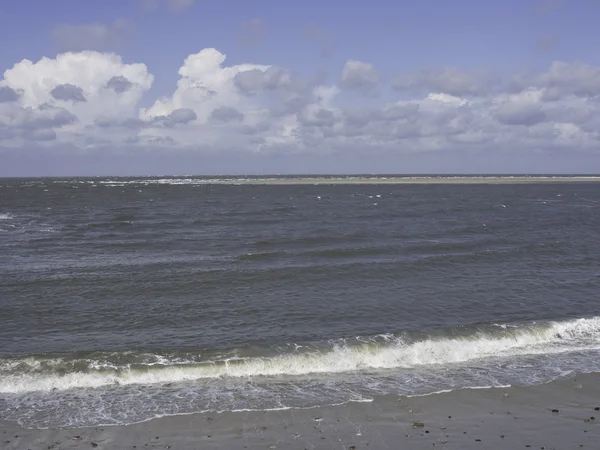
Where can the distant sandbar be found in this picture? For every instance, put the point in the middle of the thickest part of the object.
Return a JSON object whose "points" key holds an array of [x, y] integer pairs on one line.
{"points": [[417, 180]]}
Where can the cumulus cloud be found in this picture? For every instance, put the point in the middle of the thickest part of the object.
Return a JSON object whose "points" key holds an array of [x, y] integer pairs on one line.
{"points": [[89, 100], [359, 75], [94, 36], [520, 113], [204, 84], [180, 116], [119, 84], [68, 92], [251, 81], [44, 134], [41, 118], [448, 80], [226, 114], [78, 82], [36, 124]]}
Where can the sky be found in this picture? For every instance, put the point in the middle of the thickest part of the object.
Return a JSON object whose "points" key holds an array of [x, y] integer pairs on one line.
{"points": [[185, 87]]}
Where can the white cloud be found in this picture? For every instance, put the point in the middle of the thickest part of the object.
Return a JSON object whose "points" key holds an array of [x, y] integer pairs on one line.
{"points": [[204, 85], [86, 100], [84, 77], [447, 80], [68, 92], [359, 75], [226, 114]]}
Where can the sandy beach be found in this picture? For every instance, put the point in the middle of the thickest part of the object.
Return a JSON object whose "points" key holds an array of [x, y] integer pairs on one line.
{"points": [[558, 415], [415, 180]]}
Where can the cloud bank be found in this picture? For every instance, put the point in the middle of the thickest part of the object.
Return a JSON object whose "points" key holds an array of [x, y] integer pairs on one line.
{"points": [[87, 101]]}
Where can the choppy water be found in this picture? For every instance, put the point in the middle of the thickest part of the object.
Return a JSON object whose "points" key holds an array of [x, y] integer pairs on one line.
{"points": [[129, 298]]}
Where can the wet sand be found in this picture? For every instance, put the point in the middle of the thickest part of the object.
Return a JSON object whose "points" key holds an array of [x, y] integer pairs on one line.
{"points": [[416, 180], [558, 415]]}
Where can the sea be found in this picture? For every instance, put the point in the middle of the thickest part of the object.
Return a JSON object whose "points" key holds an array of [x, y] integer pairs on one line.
{"points": [[126, 299]]}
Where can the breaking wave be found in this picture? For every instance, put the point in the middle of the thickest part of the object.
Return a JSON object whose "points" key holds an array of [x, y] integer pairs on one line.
{"points": [[359, 355]]}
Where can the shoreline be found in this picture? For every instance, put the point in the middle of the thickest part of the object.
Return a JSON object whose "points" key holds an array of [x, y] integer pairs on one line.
{"points": [[557, 415]]}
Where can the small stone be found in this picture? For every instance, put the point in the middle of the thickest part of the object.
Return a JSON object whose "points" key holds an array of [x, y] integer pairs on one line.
{"points": [[426, 431], [597, 408], [592, 418], [477, 440], [93, 444], [555, 410], [449, 417], [502, 436]]}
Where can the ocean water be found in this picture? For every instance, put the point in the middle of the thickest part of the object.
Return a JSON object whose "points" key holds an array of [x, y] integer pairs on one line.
{"points": [[124, 299]]}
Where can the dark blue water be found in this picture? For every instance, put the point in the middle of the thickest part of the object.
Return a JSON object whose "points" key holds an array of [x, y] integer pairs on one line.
{"points": [[126, 299]]}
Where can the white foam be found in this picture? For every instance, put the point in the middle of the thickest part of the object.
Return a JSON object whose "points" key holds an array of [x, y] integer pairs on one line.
{"points": [[394, 353], [5, 216]]}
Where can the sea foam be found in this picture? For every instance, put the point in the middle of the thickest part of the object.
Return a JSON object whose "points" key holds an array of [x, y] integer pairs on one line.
{"points": [[372, 355]]}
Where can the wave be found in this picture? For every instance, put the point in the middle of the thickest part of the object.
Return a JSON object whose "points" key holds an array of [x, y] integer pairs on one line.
{"points": [[362, 354], [5, 216]]}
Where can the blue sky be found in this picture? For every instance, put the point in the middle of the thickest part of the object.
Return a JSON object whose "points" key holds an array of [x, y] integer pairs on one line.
{"points": [[483, 84]]}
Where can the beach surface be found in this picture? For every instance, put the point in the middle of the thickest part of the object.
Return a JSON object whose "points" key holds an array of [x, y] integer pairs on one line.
{"points": [[558, 415]]}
